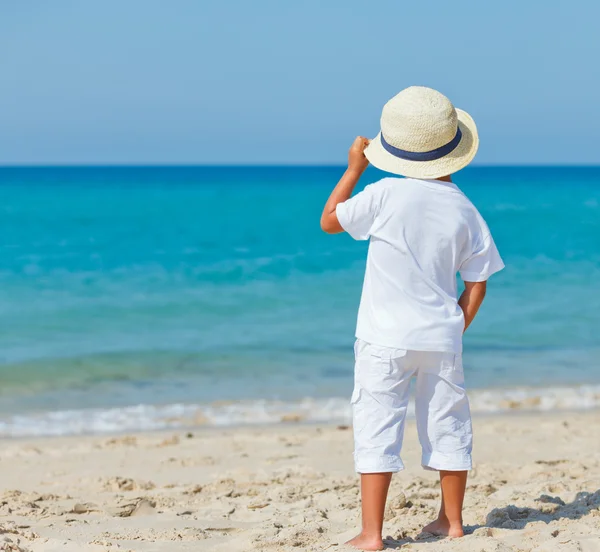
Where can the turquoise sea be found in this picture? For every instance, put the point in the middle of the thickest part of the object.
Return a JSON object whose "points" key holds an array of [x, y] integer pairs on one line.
{"points": [[148, 297]]}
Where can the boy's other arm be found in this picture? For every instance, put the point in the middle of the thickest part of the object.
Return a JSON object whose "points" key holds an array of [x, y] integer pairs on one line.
{"points": [[471, 300], [357, 163]]}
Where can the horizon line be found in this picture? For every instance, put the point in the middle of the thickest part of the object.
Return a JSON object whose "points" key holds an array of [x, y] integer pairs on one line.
{"points": [[262, 165]]}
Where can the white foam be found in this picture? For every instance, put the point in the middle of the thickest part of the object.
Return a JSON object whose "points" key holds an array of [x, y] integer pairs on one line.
{"points": [[328, 410]]}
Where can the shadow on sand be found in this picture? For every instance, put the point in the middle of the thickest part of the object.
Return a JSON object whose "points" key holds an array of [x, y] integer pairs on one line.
{"points": [[552, 508]]}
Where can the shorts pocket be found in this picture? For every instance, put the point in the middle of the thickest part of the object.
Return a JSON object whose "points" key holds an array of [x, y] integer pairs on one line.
{"points": [[375, 359], [384, 359], [451, 368]]}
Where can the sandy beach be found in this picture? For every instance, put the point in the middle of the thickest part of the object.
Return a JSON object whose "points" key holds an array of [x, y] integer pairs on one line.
{"points": [[535, 486]]}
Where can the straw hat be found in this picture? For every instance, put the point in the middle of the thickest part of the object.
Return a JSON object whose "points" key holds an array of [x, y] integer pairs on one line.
{"points": [[423, 136]]}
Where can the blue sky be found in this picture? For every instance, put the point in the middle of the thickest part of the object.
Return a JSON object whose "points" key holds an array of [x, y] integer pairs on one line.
{"points": [[272, 81]]}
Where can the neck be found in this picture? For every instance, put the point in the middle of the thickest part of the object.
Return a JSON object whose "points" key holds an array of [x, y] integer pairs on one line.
{"points": [[447, 178]]}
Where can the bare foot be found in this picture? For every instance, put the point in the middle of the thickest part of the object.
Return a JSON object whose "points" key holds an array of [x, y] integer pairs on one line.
{"points": [[441, 527], [364, 542]]}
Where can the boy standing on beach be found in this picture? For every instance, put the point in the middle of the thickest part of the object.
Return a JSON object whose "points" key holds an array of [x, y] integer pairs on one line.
{"points": [[422, 231]]}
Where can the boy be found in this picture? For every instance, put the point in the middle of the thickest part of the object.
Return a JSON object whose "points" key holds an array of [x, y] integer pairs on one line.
{"points": [[422, 231]]}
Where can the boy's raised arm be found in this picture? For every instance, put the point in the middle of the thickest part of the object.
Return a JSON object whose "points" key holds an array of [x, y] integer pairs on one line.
{"points": [[357, 163]]}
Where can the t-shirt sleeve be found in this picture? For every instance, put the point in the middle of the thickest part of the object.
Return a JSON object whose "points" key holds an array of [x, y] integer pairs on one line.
{"points": [[483, 262], [357, 214]]}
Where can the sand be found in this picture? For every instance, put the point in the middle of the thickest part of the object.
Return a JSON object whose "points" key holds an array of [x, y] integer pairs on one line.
{"points": [[535, 486]]}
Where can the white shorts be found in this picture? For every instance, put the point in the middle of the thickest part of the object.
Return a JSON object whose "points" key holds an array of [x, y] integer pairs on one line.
{"points": [[380, 401]]}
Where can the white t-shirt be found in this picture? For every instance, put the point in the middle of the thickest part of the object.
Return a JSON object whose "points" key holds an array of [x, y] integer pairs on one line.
{"points": [[422, 233]]}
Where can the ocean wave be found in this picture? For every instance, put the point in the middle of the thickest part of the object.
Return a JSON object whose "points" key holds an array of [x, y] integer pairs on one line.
{"points": [[264, 412]]}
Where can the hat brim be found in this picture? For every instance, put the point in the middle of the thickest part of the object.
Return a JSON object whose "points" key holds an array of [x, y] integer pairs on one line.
{"points": [[456, 160]]}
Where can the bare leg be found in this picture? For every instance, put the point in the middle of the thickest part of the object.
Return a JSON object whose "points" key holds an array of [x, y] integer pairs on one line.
{"points": [[449, 521], [373, 488]]}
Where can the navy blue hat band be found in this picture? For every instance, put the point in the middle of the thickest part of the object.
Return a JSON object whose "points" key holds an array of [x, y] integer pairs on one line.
{"points": [[423, 155]]}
